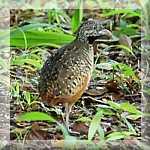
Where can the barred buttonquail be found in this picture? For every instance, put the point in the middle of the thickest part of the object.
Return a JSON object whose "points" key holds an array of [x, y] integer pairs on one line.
{"points": [[65, 76]]}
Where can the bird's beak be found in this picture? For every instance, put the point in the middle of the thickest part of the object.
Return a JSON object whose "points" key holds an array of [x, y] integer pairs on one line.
{"points": [[105, 34]]}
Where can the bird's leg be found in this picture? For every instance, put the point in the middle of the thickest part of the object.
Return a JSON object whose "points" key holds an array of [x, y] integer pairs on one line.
{"points": [[68, 108]]}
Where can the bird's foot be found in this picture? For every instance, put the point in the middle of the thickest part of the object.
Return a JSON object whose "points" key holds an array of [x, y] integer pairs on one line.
{"points": [[72, 132]]}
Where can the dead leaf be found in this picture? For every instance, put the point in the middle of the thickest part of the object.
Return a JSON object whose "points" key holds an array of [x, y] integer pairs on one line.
{"points": [[96, 92], [37, 133], [114, 89], [82, 128]]}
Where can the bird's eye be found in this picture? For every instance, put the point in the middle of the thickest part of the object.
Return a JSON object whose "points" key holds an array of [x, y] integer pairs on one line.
{"points": [[94, 27], [86, 33]]}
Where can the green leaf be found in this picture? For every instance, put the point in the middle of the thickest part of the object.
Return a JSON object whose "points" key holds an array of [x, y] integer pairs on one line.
{"points": [[126, 70], [118, 135], [134, 116], [28, 36], [27, 97], [83, 119], [15, 89], [105, 66], [28, 60], [64, 131], [101, 133], [130, 108], [125, 107], [114, 105], [95, 123], [128, 31], [128, 12], [108, 111], [35, 116], [131, 128], [127, 49], [20, 61], [77, 17]]}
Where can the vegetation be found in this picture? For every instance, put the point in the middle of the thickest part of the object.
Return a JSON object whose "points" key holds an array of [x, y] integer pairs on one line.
{"points": [[110, 109]]}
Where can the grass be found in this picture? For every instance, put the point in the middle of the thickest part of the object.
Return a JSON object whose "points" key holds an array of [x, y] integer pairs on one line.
{"points": [[29, 44]]}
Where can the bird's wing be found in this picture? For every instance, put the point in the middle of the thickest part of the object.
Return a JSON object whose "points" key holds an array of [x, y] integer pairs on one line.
{"points": [[64, 72]]}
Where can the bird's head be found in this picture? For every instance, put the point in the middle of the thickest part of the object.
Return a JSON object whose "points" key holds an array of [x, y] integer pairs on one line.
{"points": [[91, 30]]}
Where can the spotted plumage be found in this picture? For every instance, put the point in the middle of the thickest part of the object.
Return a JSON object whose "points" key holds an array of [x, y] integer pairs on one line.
{"points": [[62, 76]]}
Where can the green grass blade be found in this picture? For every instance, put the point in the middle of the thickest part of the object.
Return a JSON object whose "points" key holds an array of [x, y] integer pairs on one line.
{"points": [[77, 17], [95, 123], [129, 12], [118, 135], [130, 108], [35, 116]]}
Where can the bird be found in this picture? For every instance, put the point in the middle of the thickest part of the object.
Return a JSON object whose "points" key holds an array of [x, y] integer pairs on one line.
{"points": [[66, 74]]}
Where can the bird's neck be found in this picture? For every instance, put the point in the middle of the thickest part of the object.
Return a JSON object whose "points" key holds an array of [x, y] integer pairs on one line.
{"points": [[83, 45], [82, 39]]}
